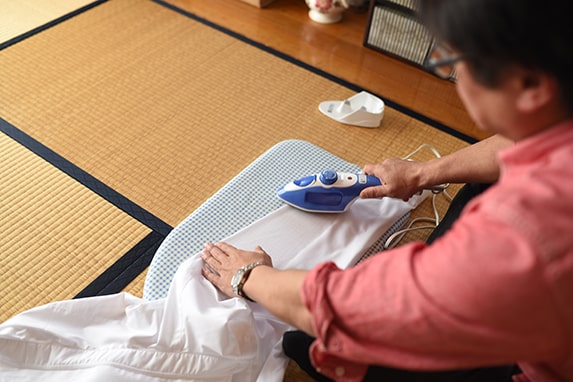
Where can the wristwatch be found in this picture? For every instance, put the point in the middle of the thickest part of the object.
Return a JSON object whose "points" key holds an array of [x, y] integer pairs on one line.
{"points": [[240, 278]]}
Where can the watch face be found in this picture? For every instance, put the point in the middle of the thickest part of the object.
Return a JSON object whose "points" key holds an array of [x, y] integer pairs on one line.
{"points": [[237, 279]]}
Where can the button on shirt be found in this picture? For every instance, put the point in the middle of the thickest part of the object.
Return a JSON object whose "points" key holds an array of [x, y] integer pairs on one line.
{"points": [[496, 289]]}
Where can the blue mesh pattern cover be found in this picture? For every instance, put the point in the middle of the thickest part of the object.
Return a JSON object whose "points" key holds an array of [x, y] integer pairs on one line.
{"points": [[248, 197]]}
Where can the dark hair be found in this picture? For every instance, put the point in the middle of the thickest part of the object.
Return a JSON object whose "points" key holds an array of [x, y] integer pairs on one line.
{"points": [[496, 34]]}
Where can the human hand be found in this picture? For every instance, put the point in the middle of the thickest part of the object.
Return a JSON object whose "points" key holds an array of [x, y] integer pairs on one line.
{"points": [[221, 261], [400, 179]]}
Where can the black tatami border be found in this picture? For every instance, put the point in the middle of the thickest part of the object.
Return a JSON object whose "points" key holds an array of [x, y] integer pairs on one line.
{"points": [[136, 260], [126, 269], [84, 178], [115, 278]]}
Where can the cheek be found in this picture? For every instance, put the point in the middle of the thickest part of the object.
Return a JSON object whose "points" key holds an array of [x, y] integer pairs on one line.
{"points": [[470, 97], [476, 99], [464, 86]]}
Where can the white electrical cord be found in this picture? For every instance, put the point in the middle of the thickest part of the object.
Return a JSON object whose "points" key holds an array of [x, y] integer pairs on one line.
{"points": [[397, 236]]}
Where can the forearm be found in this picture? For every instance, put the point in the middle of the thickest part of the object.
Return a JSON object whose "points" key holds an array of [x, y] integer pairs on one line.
{"points": [[476, 163], [277, 290], [280, 293]]}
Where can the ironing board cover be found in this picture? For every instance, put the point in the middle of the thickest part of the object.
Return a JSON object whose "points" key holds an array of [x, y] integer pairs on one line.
{"points": [[248, 197]]}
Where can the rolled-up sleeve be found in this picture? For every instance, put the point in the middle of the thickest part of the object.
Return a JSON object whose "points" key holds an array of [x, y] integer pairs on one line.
{"points": [[325, 351]]}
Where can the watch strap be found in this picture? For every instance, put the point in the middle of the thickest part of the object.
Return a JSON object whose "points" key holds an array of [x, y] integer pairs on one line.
{"points": [[246, 273]]}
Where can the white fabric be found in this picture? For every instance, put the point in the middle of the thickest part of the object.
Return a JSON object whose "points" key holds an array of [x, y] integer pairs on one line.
{"points": [[249, 196], [195, 333]]}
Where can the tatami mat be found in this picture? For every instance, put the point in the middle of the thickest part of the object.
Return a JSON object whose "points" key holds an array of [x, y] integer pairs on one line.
{"points": [[56, 234], [22, 16], [166, 110], [162, 109]]}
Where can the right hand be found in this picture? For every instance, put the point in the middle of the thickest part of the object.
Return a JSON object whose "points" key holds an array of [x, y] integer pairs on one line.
{"points": [[224, 260], [400, 179]]}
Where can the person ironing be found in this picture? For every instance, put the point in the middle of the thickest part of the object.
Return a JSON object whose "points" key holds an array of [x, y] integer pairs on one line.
{"points": [[489, 299]]}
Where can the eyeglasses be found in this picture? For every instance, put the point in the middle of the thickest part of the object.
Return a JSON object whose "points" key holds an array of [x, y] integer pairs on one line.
{"points": [[441, 61]]}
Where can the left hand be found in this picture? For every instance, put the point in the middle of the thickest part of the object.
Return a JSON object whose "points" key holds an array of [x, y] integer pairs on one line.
{"points": [[222, 260]]}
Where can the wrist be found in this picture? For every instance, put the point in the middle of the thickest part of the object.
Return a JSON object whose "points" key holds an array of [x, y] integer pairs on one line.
{"points": [[240, 278], [428, 173]]}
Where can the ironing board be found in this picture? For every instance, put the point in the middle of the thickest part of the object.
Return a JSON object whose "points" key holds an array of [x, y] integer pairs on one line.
{"points": [[248, 197]]}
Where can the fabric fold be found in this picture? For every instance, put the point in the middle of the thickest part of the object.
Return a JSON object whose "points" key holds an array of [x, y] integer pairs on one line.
{"points": [[195, 333]]}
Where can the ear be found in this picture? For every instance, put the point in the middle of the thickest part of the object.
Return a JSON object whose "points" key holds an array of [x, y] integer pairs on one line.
{"points": [[537, 90]]}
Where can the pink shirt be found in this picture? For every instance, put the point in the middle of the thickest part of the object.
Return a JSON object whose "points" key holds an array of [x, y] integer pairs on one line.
{"points": [[496, 289]]}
